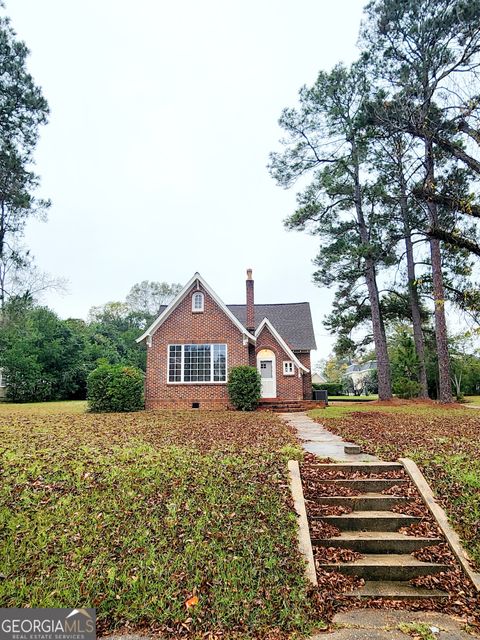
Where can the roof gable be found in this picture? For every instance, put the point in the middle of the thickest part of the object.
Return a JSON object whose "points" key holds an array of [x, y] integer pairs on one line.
{"points": [[168, 310], [268, 325]]}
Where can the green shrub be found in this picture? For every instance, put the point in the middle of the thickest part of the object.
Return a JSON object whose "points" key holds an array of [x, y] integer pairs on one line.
{"points": [[406, 388], [115, 388], [244, 388], [332, 388]]}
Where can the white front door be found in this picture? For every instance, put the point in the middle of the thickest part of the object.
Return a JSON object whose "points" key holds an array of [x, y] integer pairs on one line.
{"points": [[266, 367]]}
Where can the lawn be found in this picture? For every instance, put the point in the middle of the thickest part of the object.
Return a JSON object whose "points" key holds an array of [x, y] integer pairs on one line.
{"points": [[352, 398], [444, 442], [177, 522]]}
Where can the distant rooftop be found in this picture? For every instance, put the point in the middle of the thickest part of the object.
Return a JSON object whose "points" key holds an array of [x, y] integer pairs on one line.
{"points": [[371, 365]]}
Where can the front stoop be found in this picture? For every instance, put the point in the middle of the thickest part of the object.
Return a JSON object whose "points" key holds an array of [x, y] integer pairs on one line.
{"points": [[289, 406]]}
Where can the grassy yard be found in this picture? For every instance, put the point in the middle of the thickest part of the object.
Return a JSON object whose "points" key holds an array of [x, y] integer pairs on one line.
{"points": [[444, 442], [176, 522], [43, 408], [352, 398]]}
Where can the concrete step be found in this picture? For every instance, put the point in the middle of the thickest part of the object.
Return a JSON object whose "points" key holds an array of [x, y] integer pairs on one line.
{"points": [[370, 485], [369, 521], [364, 502], [376, 542], [385, 566], [395, 590], [363, 467]]}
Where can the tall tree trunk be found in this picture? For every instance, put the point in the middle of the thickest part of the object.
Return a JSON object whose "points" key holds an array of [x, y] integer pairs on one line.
{"points": [[2, 251], [379, 337], [445, 388], [418, 337]]}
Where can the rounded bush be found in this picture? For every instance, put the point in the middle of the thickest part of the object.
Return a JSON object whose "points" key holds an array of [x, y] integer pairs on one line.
{"points": [[244, 388], [115, 388]]}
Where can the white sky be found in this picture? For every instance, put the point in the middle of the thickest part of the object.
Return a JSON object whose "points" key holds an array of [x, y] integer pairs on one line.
{"points": [[162, 118]]}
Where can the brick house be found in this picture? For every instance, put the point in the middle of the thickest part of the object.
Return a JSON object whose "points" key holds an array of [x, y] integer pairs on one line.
{"points": [[197, 338]]}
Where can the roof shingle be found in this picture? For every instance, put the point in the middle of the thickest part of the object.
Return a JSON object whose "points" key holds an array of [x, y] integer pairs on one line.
{"points": [[293, 321]]}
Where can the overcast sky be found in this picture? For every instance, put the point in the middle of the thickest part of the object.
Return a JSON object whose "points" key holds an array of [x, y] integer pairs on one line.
{"points": [[162, 118]]}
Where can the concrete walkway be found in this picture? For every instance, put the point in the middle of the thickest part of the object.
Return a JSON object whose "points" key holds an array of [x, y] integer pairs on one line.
{"points": [[367, 624], [318, 440]]}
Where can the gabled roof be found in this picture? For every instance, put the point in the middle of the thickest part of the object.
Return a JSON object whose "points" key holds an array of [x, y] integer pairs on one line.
{"points": [[166, 311], [266, 323], [293, 321]]}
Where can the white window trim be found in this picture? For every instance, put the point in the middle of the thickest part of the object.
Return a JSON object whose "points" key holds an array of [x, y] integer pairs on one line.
{"points": [[201, 309], [3, 382], [182, 372], [286, 368]]}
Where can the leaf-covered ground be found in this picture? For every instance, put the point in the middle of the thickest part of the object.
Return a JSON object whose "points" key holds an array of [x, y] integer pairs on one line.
{"points": [[445, 443], [176, 522]]}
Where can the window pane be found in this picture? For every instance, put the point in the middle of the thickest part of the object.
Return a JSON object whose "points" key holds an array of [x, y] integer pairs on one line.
{"points": [[198, 301], [175, 363], [197, 366], [219, 362], [266, 369]]}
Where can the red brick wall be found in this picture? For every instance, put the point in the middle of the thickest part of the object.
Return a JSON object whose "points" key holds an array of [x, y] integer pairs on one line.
{"points": [[185, 327], [288, 387], [307, 377]]}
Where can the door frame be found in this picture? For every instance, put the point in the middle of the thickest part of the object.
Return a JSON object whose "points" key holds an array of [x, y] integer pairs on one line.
{"points": [[268, 355]]}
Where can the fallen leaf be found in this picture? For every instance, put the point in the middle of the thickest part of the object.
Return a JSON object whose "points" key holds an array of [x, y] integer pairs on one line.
{"points": [[191, 602]]}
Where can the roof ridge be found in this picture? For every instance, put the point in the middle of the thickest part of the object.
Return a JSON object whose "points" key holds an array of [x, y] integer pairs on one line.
{"points": [[267, 304]]}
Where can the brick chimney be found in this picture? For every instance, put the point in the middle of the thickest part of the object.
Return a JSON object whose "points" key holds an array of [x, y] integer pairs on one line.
{"points": [[250, 324]]}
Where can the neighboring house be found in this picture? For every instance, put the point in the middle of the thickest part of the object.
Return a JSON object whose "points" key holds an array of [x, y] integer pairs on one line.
{"points": [[3, 386], [317, 378], [196, 339], [360, 372]]}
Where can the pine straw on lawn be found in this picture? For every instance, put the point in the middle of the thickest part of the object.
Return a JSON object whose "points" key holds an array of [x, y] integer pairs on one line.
{"points": [[138, 514]]}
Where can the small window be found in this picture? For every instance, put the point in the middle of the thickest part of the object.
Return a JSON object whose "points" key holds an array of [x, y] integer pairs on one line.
{"points": [[288, 369], [3, 382], [197, 302]]}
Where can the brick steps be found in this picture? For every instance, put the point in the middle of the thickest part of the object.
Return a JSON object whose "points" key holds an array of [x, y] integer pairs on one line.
{"points": [[289, 406], [371, 528]]}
